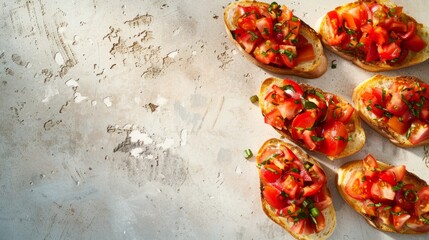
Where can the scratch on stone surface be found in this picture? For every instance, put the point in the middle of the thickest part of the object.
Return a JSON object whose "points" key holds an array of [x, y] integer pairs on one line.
{"points": [[48, 125], [204, 117], [136, 21], [426, 156], [222, 100]]}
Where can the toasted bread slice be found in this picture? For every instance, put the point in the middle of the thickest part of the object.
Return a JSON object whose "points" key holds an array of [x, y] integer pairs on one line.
{"points": [[357, 137], [347, 170], [309, 69], [328, 213], [412, 58], [381, 127]]}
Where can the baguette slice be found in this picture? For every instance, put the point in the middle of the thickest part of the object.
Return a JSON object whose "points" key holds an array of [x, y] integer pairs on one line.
{"points": [[309, 69], [413, 58], [346, 171], [378, 80], [357, 136], [329, 212]]}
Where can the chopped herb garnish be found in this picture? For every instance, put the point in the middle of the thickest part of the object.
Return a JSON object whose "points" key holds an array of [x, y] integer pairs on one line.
{"points": [[414, 192], [284, 194], [288, 53], [408, 134], [387, 207], [288, 87], [247, 153], [278, 27], [340, 138], [295, 170], [295, 19], [272, 170], [398, 186], [266, 32], [254, 36], [333, 64], [264, 53], [350, 31], [424, 220], [254, 99], [308, 104], [317, 139], [308, 165], [314, 212], [299, 128], [272, 6], [294, 41]]}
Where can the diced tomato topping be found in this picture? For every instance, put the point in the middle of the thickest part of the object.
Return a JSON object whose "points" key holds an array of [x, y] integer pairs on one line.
{"points": [[422, 204], [358, 187], [248, 22], [382, 191], [289, 55], [415, 43], [261, 29], [301, 123], [289, 108], [397, 125], [370, 166], [335, 137], [270, 172], [318, 178], [399, 217], [374, 32], [265, 52], [274, 118], [274, 197], [265, 27], [406, 197], [419, 132], [368, 207]]}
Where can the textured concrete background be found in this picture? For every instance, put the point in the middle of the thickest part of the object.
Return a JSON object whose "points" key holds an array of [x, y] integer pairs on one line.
{"points": [[128, 119]]}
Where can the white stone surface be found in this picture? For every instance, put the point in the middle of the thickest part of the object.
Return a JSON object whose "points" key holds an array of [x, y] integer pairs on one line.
{"points": [[164, 159]]}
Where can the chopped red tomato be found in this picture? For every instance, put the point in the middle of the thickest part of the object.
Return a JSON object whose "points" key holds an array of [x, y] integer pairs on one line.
{"points": [[406, 197], [339, 112], [382, 191], [270, 172], [422, 203], [389, 51], [307, 137], [301, 123], [370, 166], [399, 217], [398, 124], [374, 32], [419, 132], [265, 27], [259, 24], [415, 43], [274, 197], [265, 52], [290, 186], [247, 39], [289, 108], [335, 137], [417, 224], [248, 22], [358, 187], [274, 118], [292, 89], [322, 200], [288, 54], [319, 179]]}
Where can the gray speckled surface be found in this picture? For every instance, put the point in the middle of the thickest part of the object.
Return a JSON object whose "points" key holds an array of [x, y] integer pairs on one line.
{"points": [[127, 120]]}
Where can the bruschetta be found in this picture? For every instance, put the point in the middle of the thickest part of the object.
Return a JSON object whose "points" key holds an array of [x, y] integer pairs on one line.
{"points": [[375, 35], [390, 198], [294, 193], [312, 118], [270, 36], [396, 107]]}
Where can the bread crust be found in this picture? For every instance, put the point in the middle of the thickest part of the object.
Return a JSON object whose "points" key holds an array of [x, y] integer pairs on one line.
{"points": [[357, 136], [343, 175], [329, 212], [379, 80], [413, 58], [311, 69]]}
